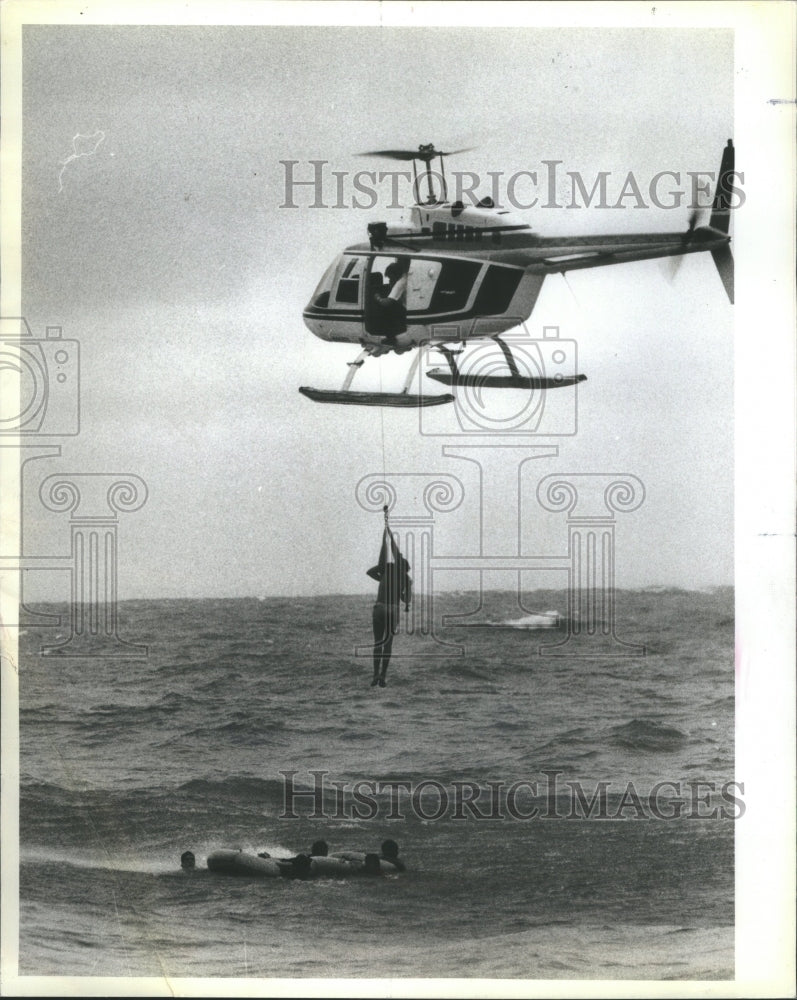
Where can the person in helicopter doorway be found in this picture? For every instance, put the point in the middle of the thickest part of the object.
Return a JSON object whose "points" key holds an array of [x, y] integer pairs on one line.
{"points": [[388, 309], [396, 274], [395, 587]]}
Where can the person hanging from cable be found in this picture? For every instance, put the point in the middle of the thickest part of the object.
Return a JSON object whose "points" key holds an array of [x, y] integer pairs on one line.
{"points": [[392, 573]]}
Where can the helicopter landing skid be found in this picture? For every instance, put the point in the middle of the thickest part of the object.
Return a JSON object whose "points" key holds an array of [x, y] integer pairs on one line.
{"points": [[512, 381], [373, 398], [346, 395], [504, 381]]}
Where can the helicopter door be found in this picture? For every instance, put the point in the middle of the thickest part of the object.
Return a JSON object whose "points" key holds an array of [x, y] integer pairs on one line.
{"points": [[440, 287], [423, 277]]}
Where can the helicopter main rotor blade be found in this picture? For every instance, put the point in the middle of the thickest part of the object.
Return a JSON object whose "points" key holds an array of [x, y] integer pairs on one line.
{"points": [[393, 154], [425, 155]]}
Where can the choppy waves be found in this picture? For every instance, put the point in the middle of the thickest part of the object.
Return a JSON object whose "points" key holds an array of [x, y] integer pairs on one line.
{"points": [[126, 763]]}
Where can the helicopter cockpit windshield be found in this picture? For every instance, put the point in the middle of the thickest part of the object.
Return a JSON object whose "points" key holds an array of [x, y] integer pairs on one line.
{"points": [[341, 285]]}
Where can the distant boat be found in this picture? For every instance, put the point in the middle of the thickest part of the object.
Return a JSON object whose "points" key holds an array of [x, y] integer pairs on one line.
{"points": [[536, 620], [539, 619]]}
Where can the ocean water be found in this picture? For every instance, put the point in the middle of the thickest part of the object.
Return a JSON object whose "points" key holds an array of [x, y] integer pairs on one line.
{"points": [[125, 763]]}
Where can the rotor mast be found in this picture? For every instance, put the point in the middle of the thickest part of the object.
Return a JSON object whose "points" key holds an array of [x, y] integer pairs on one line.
{"points": [[426, 153]]}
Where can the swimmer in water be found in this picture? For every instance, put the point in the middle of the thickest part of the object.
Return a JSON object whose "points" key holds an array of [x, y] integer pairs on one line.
{"points": [[372, 865], [187, 861], [299, 867], [320, 849], [390, 853]]}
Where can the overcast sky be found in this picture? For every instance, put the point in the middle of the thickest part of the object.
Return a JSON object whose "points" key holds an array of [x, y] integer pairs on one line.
{"points": [[166, 254]]}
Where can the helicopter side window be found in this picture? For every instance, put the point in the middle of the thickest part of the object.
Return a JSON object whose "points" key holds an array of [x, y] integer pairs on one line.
{"points": [[454, 285], [496, 290]]}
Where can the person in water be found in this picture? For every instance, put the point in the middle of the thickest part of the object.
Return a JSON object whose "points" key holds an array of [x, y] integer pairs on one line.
{"points": [[389, 853], [187, 861], [370, 863], [300, 867], [319, 849], [395, 587], [371, 866]]}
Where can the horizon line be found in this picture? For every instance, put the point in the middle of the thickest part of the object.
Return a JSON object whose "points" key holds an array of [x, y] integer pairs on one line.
{"points": [[459, 592]]}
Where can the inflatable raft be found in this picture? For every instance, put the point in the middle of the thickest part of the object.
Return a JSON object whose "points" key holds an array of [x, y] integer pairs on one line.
{"points": [[232, 862], [303, 866], [357, 858]]}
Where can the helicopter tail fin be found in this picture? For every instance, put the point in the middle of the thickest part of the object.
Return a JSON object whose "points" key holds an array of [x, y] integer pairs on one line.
{"points": [[720, 221], [721, 207], [723, 258]]}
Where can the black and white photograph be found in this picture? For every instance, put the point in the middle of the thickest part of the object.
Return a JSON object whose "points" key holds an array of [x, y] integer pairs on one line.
{"points": [[398, 491]]}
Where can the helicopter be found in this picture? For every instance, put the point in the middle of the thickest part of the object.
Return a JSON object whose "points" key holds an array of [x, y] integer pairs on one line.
{"points": [[458, 273]]}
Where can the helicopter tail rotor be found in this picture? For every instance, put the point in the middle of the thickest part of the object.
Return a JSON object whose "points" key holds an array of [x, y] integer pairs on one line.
{"points": [[675, 262]]}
